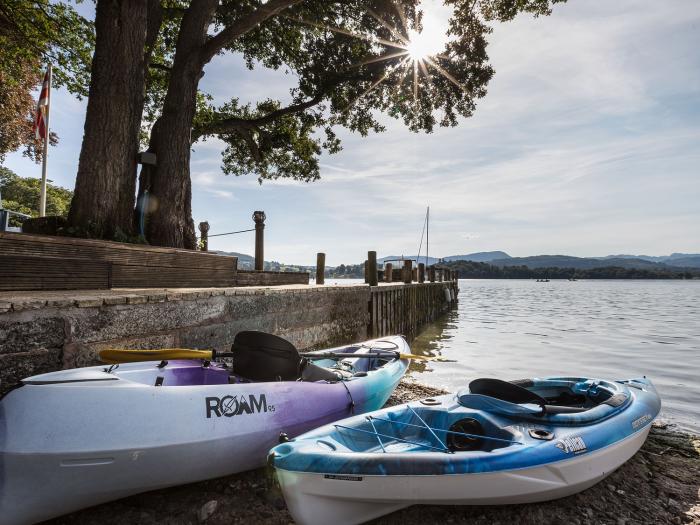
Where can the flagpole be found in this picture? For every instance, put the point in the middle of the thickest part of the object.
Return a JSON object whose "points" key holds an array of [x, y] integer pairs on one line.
{"points": [[42, 202]]}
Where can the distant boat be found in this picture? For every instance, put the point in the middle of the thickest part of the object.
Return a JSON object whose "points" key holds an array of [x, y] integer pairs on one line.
{"points": [[542, 280]]}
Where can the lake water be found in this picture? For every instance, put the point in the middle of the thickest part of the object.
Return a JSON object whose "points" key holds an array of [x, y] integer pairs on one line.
{"points": [[514, 329]]}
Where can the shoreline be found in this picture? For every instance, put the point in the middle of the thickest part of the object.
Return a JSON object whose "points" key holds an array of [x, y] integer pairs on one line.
{"points": [[660, 484]]}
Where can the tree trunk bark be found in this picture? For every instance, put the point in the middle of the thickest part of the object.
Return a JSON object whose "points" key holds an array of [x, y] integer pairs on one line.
{"points": [[169, 221], [104, 197]]}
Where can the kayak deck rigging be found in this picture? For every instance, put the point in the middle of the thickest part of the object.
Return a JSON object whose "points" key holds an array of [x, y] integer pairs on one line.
{"points": [[431, 440]]}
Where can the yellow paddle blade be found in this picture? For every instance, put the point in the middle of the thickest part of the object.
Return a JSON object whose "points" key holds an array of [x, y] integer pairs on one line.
{"points": [[426, 358], [115, 355]]}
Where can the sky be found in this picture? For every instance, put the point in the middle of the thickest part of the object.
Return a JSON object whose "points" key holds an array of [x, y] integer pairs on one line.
{"points": [[587, 144]]}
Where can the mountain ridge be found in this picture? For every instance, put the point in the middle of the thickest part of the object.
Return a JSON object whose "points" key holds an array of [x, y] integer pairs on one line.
{"points": [[500, 258]]}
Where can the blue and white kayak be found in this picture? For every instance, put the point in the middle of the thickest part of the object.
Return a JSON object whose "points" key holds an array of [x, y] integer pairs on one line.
{"points": [[495, 442]]}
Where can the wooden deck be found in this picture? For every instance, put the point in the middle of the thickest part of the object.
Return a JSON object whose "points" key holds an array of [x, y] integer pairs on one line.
{"points": [[40, 262]]}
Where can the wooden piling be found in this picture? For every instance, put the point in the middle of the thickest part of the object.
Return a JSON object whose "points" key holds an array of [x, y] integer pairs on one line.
{"points": [[366, 271], [407, 272], [431, 274], [405, 309], [421, 272], [414, 275], [388, 272], [372, 268], [320, 268]]}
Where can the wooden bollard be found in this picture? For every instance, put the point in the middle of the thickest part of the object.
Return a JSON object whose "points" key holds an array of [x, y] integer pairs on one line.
{"points": [[372, 268], [421, 272], [407, 272], [414, 275], [259, 218], [320, 268], [366, 271], [204, 236], [431, 274], [388, 272]]}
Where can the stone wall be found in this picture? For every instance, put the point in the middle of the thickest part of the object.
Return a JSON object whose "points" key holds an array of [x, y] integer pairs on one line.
{"points": [[51, 330]]}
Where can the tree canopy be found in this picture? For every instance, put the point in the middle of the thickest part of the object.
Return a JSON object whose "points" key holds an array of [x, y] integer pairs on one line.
{"points": [[21, 194], [32, 33], [351, 62]]}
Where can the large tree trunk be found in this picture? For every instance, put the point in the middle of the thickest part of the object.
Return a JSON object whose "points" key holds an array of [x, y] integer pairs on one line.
{"points": [[169, 221], [104, 189]]}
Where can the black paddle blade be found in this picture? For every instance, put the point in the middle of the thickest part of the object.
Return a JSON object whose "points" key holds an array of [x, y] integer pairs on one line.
{"points": [[260, 356]]}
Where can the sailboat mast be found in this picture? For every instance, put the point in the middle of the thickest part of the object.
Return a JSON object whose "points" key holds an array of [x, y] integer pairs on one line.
{"points": [[427, 235]]}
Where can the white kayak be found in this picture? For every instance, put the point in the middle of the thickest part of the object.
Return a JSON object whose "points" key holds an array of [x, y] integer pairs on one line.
{"points": [[75, 438]]}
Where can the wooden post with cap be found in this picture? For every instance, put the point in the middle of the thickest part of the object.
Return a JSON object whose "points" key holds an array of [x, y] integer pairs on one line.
{"points": [[259, 218], [388, 272], [204, 236]]}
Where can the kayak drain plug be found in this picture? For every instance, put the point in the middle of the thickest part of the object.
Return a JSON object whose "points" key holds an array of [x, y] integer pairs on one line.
{"points": [[539, 433]]}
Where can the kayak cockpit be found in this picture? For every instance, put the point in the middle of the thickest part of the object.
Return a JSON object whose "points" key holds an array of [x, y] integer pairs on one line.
{"points": [[561, 401]]}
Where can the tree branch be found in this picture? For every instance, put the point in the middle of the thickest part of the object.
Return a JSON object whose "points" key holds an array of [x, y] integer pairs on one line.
{"points": [[245, 126], [243, 26]]}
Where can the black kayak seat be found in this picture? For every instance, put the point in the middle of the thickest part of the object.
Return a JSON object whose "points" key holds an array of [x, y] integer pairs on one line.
{"points": [[505, 391], [514, 393]]}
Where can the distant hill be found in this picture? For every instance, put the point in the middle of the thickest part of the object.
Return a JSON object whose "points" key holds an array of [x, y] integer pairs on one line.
{"points": [[245, 261], [581, 263], [501, 259], [395, 258], [479, 257], [691, 260], [476, 257], [688, 261]]}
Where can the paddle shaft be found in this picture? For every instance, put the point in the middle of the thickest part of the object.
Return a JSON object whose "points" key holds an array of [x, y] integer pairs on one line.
{"points": [[127, 356]]}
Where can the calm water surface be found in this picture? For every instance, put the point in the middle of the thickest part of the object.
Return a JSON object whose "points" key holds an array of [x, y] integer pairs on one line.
{"points": [[609, 329]]}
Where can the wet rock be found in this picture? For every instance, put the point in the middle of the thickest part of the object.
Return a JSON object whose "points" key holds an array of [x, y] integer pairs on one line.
{"points": [[207, 510]]}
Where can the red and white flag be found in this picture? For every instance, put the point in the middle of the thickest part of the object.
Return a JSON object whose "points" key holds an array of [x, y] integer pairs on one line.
{"points": [[42, 109]]}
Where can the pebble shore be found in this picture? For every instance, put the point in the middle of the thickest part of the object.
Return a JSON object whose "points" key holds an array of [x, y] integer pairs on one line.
{"points": [[659, 485]]}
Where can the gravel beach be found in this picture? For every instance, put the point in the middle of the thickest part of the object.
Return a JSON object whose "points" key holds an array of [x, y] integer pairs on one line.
{"points": [[661, 484]]}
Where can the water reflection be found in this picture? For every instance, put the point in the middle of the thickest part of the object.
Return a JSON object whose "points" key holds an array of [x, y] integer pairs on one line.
{"points": [[612, 329]]}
